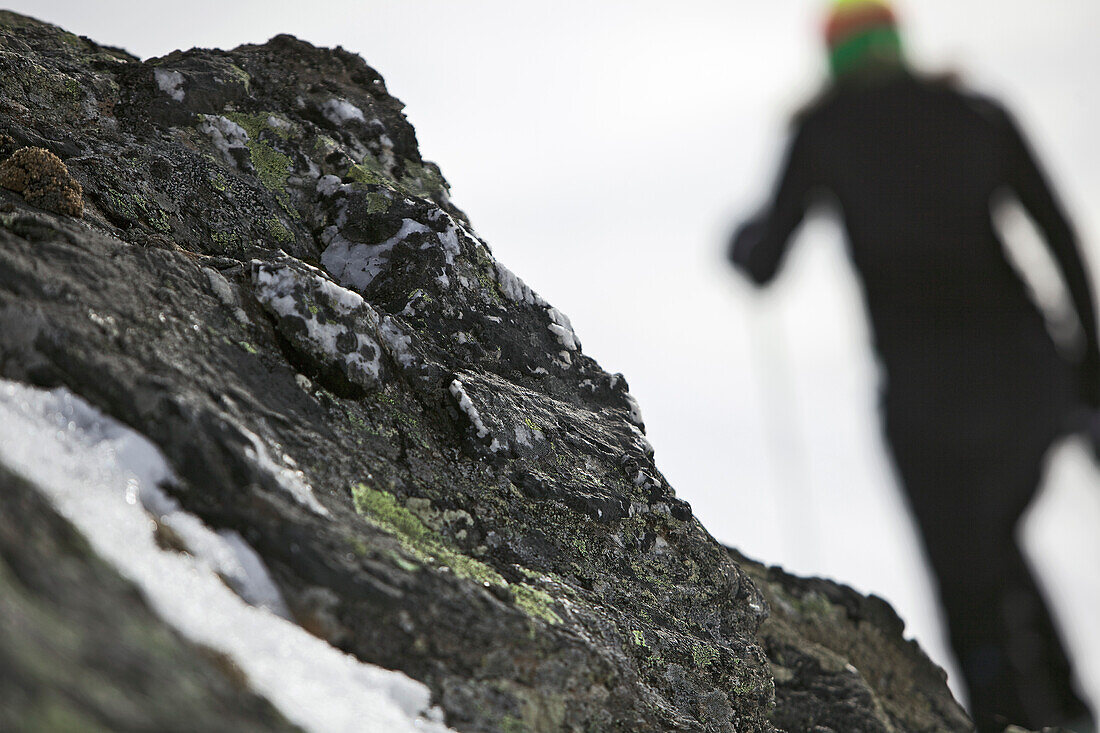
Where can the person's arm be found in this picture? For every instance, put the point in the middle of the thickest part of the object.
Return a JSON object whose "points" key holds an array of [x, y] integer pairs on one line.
{"points": [[1031, 187], [758, 245]]}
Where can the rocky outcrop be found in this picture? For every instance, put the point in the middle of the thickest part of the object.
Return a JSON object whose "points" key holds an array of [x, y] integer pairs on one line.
{"points": [[271, 285], [840, 662]]}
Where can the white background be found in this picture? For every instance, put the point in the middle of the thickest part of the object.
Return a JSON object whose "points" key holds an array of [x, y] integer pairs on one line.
{"points": [[605, 149]]}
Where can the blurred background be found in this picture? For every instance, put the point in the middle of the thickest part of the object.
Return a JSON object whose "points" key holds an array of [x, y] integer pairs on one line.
{"points": [[605, 150]]}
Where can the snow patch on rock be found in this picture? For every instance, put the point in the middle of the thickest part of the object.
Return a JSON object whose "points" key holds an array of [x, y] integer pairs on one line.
{"points": [[323, 307], [563, 329], [103, 477], [515, 289], [226, 135], [355, 264], [635, 410], [290, 479], [170, 82], [340, 111], [458, 391]]}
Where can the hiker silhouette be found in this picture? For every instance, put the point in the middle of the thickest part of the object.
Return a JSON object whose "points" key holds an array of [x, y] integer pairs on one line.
{"points": [[976, 390]]}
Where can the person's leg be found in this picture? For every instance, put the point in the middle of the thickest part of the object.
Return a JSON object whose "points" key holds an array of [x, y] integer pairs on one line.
{"points": [[1010, 653], [966, 507]]}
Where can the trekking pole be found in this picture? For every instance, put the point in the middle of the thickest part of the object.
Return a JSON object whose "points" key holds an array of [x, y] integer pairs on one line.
{"points": [[791, 488]]}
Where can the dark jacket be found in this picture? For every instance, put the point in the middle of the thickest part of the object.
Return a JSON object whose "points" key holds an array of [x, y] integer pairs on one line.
{"points": [[913, 166]]}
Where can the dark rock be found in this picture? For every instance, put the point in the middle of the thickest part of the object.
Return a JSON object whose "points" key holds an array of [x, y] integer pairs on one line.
{"points": [[274, 287], [840, 662]]}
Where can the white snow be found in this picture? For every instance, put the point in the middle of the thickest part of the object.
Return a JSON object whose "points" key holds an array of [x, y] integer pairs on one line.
{"points": [[275, 289], [225, 134], [291, 480], [170, 83], [398, 343], [635, 409], [102, 476], [342, 299], [355, 264], [449, 239], [515, 289], [622, 218], [225, 552], [563, 329], [328, 185], [339, 111], [458, 391]]}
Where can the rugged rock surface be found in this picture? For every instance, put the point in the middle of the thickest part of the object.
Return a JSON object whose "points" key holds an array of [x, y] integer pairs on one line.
{"points": [[840, 663], [273, 286]]}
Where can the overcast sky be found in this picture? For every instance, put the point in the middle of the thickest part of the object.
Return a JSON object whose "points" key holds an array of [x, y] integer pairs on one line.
{"points": [[604, 150]]}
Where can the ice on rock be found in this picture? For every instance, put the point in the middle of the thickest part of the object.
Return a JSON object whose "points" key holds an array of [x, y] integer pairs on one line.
{"points": [[517, 291], [563, 329], [224, 552], [398, 343], [340, 327], [289, 479], [635, 410], [466, 405], [103, 477]]}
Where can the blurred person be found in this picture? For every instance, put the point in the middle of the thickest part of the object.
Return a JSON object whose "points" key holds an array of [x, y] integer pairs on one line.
{"points": [[975, 391]]}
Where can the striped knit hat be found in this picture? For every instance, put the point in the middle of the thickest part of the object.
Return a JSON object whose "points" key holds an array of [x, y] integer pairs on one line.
{"points": [[861, 32]]}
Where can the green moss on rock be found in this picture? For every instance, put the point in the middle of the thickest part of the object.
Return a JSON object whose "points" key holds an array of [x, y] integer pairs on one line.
{"points": [[278, 231], [382, 509]]}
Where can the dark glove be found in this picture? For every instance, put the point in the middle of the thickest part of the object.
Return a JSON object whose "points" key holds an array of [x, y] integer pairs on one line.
{"points": [[743, 241]]}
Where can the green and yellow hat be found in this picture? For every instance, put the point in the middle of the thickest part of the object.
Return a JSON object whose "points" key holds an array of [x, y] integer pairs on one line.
{"points": [[859, 33]]}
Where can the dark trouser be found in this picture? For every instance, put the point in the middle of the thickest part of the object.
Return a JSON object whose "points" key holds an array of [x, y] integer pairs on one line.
{"points": [[967, 489]]}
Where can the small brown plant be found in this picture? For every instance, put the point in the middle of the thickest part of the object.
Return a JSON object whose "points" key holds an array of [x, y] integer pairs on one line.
{"points": [[43, 180]]}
